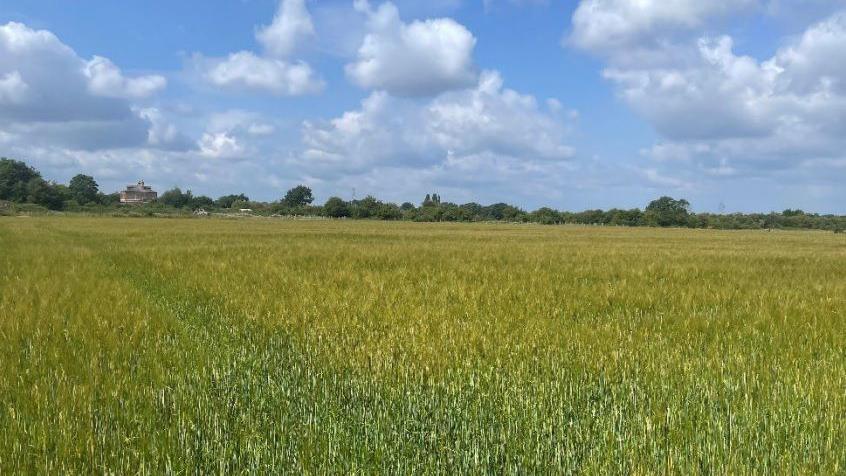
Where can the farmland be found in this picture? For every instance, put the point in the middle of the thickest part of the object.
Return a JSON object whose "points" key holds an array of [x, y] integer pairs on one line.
{"points": [[213, 346]]}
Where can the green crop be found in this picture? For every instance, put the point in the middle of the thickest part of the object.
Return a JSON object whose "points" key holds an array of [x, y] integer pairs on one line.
{"points": [[260, 346]]}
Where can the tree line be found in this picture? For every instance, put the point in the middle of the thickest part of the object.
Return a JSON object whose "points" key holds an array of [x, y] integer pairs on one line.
{"points": [[22, 184]]}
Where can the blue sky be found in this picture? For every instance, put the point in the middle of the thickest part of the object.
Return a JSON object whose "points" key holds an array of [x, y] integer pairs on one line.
{"points": [[736, 105]]}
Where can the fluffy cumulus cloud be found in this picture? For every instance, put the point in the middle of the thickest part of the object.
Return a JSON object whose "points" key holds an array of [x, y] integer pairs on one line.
{"points": [[420, 58], [478, 129], [244, 71], [235, 134], [163, 133], [272, 73], [783, 111], [720, 95], [291, 25], [106, 79], [220, 145], [722, 114], [240, 122], [608, 25], [13, 89], [52, 97], [486, 143], [65, 114]]}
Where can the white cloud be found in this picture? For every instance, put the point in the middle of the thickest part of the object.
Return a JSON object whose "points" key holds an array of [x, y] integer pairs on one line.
{"points": [[291, 25], [240, 122], [655, 177], [270, 73], [220, 145], [721, 95], [420, 58], [246, 71], [812, 63], [259, 129], [163, 134], [82, 135], [51, 96], [494, 119], [106, 79], [57, 88], [13, 89], [721, 114], [799, 92], [608, 25], [486, 123]]}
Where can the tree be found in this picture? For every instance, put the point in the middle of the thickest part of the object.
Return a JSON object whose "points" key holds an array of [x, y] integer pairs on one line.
{"points": [[15, 178], [365, 208], [201, 201], [388, 211], [44, 193], [503, 211], [545, 216], [298, 196], [432, 200], [240, 205], [472, 210], [175, 198], [110, 199], [667, 211], [792, 213], [83, 189], [336, 208], [452, 212], [226, 201]]}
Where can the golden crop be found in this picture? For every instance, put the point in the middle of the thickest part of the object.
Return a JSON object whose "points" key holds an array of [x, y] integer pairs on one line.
{"points": [[218, 346]]}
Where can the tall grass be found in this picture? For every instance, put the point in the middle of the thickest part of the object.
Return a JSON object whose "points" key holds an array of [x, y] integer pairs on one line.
{"points": [[189, 346]]}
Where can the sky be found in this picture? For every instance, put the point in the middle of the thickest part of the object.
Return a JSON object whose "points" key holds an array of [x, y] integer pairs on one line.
{"points": [[734, 105]]}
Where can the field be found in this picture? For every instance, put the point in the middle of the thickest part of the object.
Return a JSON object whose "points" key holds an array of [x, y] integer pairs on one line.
{"points": [[217, 346]]}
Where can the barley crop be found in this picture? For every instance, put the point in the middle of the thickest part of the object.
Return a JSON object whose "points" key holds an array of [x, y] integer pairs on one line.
{"points": [[159, 346]]}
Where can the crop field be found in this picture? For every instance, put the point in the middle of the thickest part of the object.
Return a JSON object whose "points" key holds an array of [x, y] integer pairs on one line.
{"points": [[217, 346]]}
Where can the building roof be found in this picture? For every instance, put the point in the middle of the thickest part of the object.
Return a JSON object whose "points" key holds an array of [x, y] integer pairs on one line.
{"points": [[139, 187]]}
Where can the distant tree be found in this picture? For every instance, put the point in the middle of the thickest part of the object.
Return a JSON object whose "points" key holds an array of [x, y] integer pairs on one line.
{"points": [[240, 205], [792, 213], [83, 189], [545, 216], [406, 206], [176, 198], [336, 208], [473, 211], [201, 201], [667, 211], [388, 211], [298, 196], [45, 194], [365, 208], [63, 191], [503, 211], [226, 201], [15, 178], [452, 212], [108, 199], [428, 214], [624, 217], [432, 200]]}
